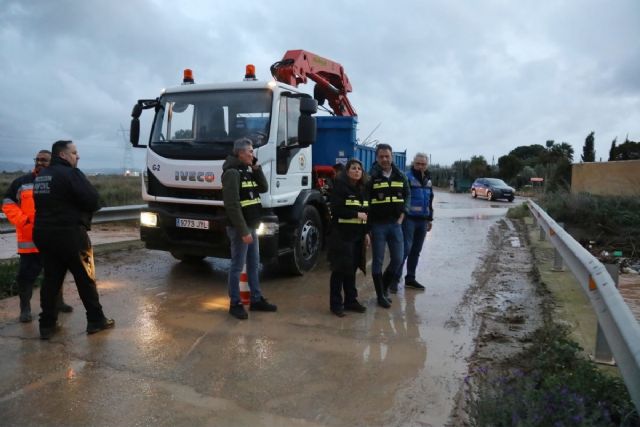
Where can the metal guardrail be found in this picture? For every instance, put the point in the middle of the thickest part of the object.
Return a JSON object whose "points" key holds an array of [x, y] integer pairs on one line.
{"points": [[620, 327], [110, 214]]}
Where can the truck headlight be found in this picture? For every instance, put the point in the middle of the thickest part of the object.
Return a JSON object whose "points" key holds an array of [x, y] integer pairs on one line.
{"points": [[267, 229], [148, 219]]}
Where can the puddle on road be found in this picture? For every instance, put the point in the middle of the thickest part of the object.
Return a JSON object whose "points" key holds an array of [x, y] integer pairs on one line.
{"points": [[450, 256]]}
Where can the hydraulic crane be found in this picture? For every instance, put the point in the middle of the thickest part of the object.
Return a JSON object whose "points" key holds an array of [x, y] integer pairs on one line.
{"points": [[332, 84]]}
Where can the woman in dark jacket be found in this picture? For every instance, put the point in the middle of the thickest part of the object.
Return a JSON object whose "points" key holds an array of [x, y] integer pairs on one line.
{"points": [[349, 218]]}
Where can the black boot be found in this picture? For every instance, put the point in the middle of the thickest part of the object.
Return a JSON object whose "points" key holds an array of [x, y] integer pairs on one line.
{"points": [[377, 283], [25, 311], [61, 305], [386, 284], [25, 292]]}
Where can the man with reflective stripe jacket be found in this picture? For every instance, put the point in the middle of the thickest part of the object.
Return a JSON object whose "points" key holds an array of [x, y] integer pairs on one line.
{"points": [[65, 203], [389, 197], [18, 206], [242, 183]]}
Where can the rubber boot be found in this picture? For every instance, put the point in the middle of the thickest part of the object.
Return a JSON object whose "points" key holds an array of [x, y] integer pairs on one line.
{"points": [[377, 284], [386, 284]]}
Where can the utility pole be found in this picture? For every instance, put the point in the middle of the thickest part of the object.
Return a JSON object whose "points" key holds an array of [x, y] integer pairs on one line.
{"points": [[127, 158]]}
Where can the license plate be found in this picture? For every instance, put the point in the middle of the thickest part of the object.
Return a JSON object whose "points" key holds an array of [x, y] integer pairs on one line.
{"points": [[192, 223]]}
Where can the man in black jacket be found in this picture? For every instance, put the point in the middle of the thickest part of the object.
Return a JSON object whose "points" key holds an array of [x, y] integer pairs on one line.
{"points": [[389, 197], [65, 202]]}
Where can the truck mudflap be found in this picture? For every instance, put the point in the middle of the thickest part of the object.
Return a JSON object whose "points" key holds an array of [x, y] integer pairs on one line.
{"points": [[189, 235]]}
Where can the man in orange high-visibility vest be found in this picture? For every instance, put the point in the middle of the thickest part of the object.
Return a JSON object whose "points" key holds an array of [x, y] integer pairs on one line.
{"points": [[19, 208]]}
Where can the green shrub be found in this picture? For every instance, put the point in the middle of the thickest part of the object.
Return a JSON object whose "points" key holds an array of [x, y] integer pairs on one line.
{"points": [[518, 212], [552, 384], [586, 209], [8, 270], [612, 220]]}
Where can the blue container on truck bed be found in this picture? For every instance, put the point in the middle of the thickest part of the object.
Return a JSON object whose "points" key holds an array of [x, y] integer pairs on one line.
{"points": [[336, 143]]}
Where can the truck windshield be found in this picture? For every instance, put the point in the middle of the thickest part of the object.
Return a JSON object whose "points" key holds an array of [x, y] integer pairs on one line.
{"points": [[203, 125]]}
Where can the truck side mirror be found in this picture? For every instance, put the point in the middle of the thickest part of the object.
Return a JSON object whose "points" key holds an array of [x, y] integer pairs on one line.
{"points": [[134, 132], [306, 130], [308, 106]]}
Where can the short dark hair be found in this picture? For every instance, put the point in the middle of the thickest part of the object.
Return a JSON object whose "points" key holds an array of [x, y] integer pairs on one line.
{"points": [[44, 152], [383, 147], [59, 146]]}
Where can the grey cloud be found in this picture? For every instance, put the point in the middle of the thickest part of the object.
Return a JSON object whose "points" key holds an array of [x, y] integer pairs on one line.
{"points": [[460, 78]]}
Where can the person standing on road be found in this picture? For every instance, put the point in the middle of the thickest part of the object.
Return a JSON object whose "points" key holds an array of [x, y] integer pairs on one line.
{"points": [[65, 202], [20, 210], [389, 197], [242, 183], [349, 207], [418, 218]]}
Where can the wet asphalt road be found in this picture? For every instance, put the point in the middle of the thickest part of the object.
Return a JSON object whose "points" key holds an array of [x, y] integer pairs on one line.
{"points": [[177, 358]]}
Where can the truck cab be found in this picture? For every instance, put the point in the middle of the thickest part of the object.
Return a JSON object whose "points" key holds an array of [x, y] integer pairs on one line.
{"points": [[193, 131]]}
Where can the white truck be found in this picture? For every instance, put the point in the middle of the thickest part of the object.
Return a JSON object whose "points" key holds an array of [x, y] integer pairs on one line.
{"points": [[193, 131]]}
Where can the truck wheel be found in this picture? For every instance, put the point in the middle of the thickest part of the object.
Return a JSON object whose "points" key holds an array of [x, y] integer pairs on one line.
{"points": [[307, 242], [189, 259]]}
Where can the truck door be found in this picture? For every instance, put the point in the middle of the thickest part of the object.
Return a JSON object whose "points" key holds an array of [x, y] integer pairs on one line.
{"points": [[293, 163]]}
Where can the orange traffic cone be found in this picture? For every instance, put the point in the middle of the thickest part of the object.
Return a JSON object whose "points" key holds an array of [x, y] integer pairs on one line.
{"points": [[245, 294]]}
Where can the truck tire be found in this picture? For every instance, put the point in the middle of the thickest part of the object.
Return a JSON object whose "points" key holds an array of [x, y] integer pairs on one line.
{"points": [[307, 243], [189, 259]]}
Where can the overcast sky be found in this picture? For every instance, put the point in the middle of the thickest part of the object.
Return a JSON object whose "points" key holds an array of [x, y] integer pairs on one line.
{"points": [[451, 78]]}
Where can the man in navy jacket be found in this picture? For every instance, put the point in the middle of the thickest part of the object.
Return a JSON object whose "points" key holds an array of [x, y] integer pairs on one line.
{"points": [[418, 218]]}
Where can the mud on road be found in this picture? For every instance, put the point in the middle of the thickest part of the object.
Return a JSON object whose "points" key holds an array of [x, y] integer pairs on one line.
{"points": [[177, 358], [508, 305]]}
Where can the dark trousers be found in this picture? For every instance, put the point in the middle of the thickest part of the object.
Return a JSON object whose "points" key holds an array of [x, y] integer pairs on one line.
{"points": [[415, 232], [338, 282], [66, 249], [344, 257], [28, 270]]}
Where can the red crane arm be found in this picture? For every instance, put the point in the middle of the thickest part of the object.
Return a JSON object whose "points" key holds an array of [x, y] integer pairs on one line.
{"points": [[331, 81]]}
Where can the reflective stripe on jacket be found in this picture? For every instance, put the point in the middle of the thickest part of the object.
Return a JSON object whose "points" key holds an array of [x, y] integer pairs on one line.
{"points": [[387, 196], [19, 207], [359, 206], [249, 197]]}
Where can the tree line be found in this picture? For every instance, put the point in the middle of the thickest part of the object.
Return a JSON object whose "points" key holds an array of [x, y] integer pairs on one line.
{"points": [[551, 161]]}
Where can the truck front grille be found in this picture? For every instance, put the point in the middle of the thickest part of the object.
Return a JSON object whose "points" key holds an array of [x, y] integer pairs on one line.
{"points": [[157, 189]]}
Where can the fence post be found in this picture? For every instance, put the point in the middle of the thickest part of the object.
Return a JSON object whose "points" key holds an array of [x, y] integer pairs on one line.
{"points": [[603, 353]]}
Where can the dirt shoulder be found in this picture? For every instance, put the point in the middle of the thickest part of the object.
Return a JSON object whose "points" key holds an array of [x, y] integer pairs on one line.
{"points": [[508, 302]]}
